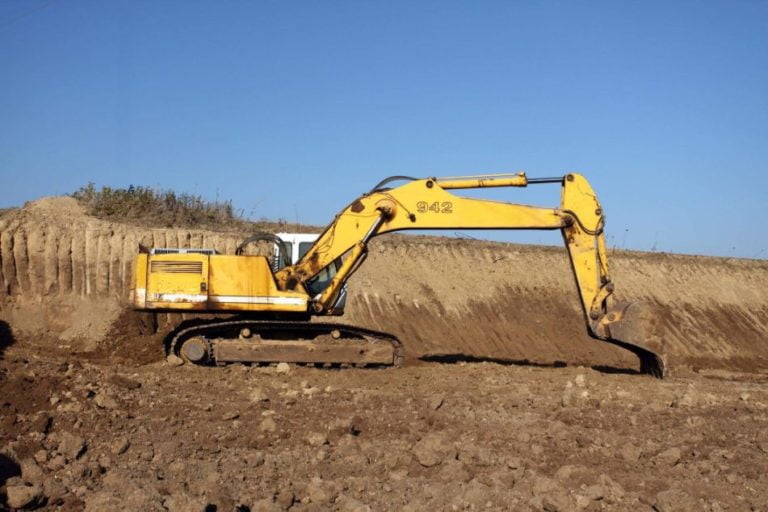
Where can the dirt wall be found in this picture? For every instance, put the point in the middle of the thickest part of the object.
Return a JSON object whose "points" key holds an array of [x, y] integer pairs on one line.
{"points": [[65, 276]]}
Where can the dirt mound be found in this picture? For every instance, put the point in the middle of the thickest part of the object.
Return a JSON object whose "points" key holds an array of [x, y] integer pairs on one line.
{"points": [[65, 276]]}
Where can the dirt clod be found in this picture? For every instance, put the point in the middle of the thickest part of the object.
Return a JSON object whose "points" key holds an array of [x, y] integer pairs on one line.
{"points": [[674, 500], [432, 449], [71, 446], [23, 496]]}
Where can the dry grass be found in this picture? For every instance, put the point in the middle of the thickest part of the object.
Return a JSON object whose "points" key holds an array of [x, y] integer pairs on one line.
{"points": [[146, 206]]}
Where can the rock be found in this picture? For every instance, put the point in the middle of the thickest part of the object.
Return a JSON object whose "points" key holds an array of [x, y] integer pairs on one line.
{"points": [[56, 463], [567, 398], [690, 398], [669, 457], [310, 391], [613, 492], [346, 426], [630, 452], [285, 498], [432, 449], [283, 368], [571, 395], [41, 456], [436, 401], [317, 492], [228, 416], [71, 446], [104, 461], [174, 360], [580, 380], [268, 425], [595, 492], [120, 445], [674, 500], [185, 503], [316, 439], [41, 422], [257, 395], [30, 471], [105, 401], [557, 501], [550, 495], [565, 472], [23, 496]]}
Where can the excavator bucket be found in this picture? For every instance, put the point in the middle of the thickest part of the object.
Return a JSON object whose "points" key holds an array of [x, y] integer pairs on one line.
{"points": [[636, 326]]}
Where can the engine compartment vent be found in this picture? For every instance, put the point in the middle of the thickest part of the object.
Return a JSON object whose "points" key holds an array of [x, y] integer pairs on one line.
{"points": [[176, 267], [176, 250]]}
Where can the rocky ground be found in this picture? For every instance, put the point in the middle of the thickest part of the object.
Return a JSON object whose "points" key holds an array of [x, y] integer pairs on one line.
{"points": [[105, 435]]}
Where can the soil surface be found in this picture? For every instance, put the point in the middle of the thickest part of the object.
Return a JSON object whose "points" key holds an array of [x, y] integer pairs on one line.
{"points": [[504, 402], [101, 434]]}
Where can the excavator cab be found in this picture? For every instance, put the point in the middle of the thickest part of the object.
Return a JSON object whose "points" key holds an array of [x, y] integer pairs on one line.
{"points": [[296, 245]]}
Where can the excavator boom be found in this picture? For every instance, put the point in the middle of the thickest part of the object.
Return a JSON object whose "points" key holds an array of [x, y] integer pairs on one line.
{"points": [[428, 204]]}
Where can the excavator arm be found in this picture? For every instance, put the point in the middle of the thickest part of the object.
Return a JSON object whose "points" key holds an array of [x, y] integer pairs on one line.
{"points": [[428, 204]]}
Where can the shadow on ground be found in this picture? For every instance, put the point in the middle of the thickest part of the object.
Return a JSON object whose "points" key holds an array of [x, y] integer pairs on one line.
{"points": [[9, 468], [6, 337], [464, 358]]}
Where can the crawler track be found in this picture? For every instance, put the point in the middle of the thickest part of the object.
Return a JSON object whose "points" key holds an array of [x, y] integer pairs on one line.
{"points": [[269, 341]]}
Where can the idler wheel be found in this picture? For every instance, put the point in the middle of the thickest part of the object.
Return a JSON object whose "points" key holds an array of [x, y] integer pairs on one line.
{"points": [[195, 350]]}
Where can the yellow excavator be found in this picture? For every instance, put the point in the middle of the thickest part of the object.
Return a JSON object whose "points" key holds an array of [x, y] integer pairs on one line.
{"points": [[269, 307]]}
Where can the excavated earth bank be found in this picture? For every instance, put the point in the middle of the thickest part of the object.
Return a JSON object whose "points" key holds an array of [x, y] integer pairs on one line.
{"points": [[534, 415], [65, 276]]}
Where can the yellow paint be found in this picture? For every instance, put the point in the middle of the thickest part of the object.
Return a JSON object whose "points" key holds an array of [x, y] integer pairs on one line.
{"points": [[210, 283], [139, 282], [517, 180]]}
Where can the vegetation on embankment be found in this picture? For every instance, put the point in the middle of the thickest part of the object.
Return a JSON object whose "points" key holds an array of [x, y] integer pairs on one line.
{"points": [[146, 206]]}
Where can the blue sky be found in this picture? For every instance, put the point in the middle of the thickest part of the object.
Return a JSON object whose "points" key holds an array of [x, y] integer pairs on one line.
{"points": [[289, 107]]}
